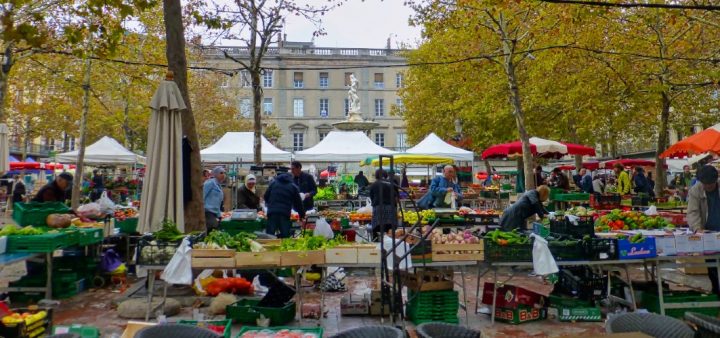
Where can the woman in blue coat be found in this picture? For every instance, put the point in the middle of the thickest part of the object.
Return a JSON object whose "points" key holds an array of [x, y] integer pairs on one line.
{"points": [[530, 203]]}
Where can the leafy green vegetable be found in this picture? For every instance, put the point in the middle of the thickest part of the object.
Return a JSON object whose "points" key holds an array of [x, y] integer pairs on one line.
{"points": [[29, 230], [169, 232], [307, 243], [240, 242]]}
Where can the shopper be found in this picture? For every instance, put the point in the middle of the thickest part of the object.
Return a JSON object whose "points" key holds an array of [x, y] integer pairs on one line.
{"points": [[651, 184], [599, 184], [305, 183], [586, 183], [247, 197], [703, 211], [623, 179], [213, 197], [384, 202], [577, 178], [539, 177], [530, 203], [280, 198], [98, 185], [18, 190], [559, 180], [55, 191], [640, 182], [361, 181], [443, 185], [683, 182]]}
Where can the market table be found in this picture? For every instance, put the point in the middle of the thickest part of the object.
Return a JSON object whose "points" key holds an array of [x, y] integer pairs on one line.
{"points": [[661, 262], [9, 258]]}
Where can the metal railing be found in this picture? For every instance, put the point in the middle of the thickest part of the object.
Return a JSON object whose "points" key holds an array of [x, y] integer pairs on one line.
{"points": [[244, 51], [32, 149]]}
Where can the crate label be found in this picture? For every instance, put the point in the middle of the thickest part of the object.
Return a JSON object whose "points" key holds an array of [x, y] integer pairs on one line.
{"points": [[665, 246], [711, 242], [689, 244]]}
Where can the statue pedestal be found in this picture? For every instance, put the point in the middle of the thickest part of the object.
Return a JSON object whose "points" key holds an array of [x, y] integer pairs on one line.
{"points": [[355, 122]]}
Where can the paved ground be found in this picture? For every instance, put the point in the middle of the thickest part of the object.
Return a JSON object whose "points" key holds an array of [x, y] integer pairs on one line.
{"points": [[96, 307]]}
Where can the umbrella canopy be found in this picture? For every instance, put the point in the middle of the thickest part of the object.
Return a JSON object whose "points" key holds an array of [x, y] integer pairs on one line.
{"points": [[106, 151], [592, 165], [239, 146], [23, 165], [705, 141], [162, 196], [628, 162], [12, 159], [4, 148], [577, 149], [409, 159], [538, 146], [434, 145]]}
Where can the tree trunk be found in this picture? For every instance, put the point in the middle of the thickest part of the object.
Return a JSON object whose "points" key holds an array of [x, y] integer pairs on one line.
{"points": [[257, 116], [126, 120], [662, 144], [4, 75], [77, 182], [177, 63], [520, 121], [488, 167]]}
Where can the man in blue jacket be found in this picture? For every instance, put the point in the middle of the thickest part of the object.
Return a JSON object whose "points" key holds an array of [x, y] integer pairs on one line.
{"points": [[442, 185], [213, 198], [586, 184], [280, 198]]}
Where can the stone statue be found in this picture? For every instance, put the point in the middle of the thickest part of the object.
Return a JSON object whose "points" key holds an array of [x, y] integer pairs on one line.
{"points": [[353, 96]]}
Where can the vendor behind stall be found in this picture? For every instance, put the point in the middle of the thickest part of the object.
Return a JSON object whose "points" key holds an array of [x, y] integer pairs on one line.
{"points": [[55, 191], [281, 197], [530, 203], [247, 198], [443, 185], [703, 212]]}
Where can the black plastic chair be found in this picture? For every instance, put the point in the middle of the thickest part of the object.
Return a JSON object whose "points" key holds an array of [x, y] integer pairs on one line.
{"points": [[707, 326], [445, 330], [374, 331], [649, 323], [175, 331]]}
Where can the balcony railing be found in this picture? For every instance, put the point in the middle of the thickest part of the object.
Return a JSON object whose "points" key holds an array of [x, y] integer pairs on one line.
{"points": [[272, 51], [38, 150]]}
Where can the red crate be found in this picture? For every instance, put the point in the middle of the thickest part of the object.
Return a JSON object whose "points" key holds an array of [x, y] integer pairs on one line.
{"points": [[510, 296]]}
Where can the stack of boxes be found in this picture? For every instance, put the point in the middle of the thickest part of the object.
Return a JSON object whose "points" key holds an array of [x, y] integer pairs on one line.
{"points": [[515, 305]]}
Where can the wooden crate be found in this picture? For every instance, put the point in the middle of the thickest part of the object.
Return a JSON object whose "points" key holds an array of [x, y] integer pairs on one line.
{"points": [[341, 255], [368, 254], [250, 259], [428, 280], [207, 258], [302, 258], [458, 252]]}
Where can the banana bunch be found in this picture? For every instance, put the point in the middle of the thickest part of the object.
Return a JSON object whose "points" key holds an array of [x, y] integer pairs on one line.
{"points": [[410, 217]]}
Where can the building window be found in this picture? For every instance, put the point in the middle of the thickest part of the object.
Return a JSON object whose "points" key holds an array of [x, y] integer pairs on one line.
{"points": [[399, 105], [380, 139], [298, 107], [379, 107], [399, 80], [347, 79], [245, 80], [324, 80], [267, 79], [245, 108], [324, 107], [298, 141], [298, 80], [379, 81], [225, 82], [267, 106], [400, 141], [347, 107], [322, 135]]}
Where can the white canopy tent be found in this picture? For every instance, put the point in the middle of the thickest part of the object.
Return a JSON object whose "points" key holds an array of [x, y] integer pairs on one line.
{"points": [[238, 147], [434, 145], [106, 151], [342, 146]]}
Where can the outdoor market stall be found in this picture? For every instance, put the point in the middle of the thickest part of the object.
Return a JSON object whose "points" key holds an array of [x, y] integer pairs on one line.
{"points": [[238, 147], [434, 145], [342, 146]]}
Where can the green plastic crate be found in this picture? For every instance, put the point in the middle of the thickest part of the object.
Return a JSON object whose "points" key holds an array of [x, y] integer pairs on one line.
{"points": [[38, 243], [128, 226], [508, 253], [317, 331], [89, 236], [36, 213], [235, 227], [73, 236], [246, 311], [83, 331], [651, 302], [227, 323], [455, 320], [572, 197], [575, 310]]}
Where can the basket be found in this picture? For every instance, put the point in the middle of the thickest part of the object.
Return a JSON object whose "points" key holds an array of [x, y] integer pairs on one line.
{"points": [[317, 331], [205, 323], [605, 202], [155, 254], [246, 311], [571, 250], [36, 213], [507, 253], [650, 324], [79, 330], [428, 306], [127, 226], [583, 283], [89, 236], [22, 329], [38, 243], [235, 227], [585, 227], [601, 249]]}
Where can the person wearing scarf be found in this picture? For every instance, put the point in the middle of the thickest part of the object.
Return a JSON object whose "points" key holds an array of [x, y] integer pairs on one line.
{"points": [[247, 197]]}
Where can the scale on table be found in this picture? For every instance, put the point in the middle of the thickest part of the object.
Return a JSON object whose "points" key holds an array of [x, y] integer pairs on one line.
{"points": [[440, 212], [243, 215]]}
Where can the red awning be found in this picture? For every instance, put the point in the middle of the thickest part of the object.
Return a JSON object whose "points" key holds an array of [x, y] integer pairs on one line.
{"points": [[591, 165], [506, 149], [576, 149], [628, 162]]}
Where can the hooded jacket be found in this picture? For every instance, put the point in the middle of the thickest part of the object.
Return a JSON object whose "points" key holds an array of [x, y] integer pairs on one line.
{"points": [[697, 210], [515, 215], [282, 196]]}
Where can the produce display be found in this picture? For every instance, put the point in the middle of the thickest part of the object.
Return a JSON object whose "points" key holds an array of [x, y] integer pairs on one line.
{"points": [[636, 238], [332, 214], [630, 220], [411, 217], [157, 253], [360, 217], [308, 243], [169, 232], [242, 241], [14, 230], [577, 211], [284, 333], [123, 214], [234, 285], [325, 194], [465, 237], [25, 317], [504, 238]]}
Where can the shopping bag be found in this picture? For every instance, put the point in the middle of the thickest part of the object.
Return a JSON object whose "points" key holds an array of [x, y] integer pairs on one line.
{"points": [[90, 210], [651, 211], [543, 260], [400, 251], [572, 219], [179, 270], [110, 261], [107, 206], [322, 228]]}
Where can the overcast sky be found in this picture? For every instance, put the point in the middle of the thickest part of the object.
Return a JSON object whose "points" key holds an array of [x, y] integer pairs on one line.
{"points": [[359, 24]]}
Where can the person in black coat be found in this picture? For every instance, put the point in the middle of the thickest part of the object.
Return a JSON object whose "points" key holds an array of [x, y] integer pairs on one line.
{"points": [[640, 182], [246, 197], [305, 183], [530, 203], [280, 198], [18, 190], [384, 202]]}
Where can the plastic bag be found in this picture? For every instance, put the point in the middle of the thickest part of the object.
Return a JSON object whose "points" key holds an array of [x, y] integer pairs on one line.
{"points": [[322, 228], [107, 206], [260, 289], [401, 249], [572, 219], [543, 260], [110, 261], [179, 270], [651, 211], [90, 210]]}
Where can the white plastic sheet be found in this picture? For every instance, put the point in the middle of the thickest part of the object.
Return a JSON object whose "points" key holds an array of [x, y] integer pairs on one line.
{"points": [[179, 270], [543, 260]]}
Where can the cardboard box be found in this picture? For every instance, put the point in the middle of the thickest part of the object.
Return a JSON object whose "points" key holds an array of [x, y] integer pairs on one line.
{"points": [[302, 258], [358, 305], [646, 249], [368, 254], [711, 242], [520, 315], [693, 270], [341, 255], [579, 314], [458, 252], [689, 244], [510, 297], [665, 246]]}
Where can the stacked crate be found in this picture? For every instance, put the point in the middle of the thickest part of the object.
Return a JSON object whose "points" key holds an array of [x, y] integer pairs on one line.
{"points": [[433, 306]]}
